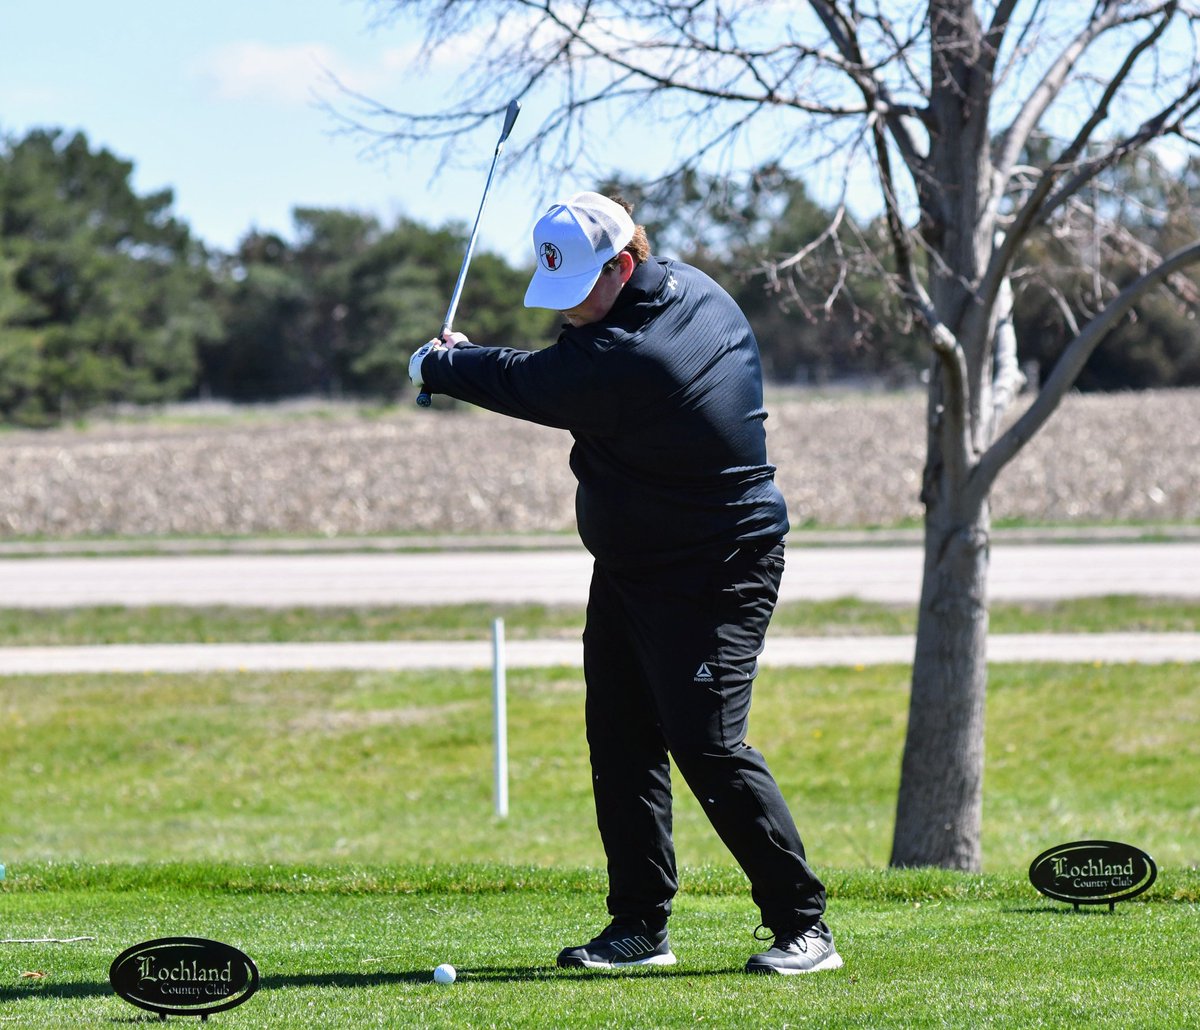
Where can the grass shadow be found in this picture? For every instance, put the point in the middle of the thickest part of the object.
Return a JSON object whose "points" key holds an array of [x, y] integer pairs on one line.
{"points": [[503, 974], [56, 990], [358, 981], [490, 974], [1041, 910]]}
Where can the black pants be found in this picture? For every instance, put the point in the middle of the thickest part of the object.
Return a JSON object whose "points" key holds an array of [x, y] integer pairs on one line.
{"points": [[670, 658]]}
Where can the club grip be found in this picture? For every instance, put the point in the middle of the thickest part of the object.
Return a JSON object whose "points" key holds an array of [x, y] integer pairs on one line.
{"points": [[423, 399]]}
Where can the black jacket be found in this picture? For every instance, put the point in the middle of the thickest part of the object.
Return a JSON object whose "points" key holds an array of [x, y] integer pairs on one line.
{"points": [[664, 399]]}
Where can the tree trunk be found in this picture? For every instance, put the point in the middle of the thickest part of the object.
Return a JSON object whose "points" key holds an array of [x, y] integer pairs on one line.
{"points": [[940, 807]]}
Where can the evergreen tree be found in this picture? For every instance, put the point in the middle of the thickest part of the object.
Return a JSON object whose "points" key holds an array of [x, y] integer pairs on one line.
{"points": [[103, 293]]}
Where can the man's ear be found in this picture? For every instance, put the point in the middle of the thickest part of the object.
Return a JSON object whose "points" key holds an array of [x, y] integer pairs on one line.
{"points": [[625, 266]]}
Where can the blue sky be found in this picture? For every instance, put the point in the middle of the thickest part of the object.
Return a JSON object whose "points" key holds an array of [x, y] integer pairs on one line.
{"points": [[220, 101]]}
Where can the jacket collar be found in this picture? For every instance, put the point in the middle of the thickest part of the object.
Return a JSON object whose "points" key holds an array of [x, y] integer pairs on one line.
{"points": [[645, 282]]}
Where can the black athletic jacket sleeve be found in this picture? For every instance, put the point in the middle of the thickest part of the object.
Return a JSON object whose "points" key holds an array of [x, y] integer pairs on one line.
{"points": [[664, 400]]}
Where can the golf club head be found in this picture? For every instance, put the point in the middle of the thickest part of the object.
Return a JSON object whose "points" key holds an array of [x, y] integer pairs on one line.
{"points": [[510, 116]]}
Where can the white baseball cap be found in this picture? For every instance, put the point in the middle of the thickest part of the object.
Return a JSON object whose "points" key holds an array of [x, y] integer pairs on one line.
{"points": [[571, 243]]}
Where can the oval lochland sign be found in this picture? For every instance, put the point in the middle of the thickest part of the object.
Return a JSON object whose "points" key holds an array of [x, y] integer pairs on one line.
{"points": [[1093, 872], [184, 976]]}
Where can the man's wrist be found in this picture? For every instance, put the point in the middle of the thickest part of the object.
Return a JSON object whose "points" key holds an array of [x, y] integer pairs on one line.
{"points": [[418, 359]]}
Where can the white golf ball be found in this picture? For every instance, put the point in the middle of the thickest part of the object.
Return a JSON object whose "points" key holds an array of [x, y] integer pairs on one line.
{"points": [[445, 974]]}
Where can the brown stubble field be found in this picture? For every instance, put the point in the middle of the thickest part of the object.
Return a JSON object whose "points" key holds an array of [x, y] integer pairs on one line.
{"points": [[845, 460]]}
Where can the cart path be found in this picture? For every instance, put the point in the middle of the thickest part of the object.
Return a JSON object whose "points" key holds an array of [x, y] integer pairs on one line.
{"points": [[886, 574], [1115, 648]]}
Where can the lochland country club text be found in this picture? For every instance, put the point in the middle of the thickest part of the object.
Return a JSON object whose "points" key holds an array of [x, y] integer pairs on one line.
{"points": [[1106, 874], [186, 978]]}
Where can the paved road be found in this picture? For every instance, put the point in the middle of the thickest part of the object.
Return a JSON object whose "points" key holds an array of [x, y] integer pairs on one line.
{"points": [[888, 574], [1147, 648]]}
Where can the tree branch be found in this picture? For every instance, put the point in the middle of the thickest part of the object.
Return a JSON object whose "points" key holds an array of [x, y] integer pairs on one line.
{"points": [[955, 427], [994, 37], [1067, 371], [1016, 137], [1044, 198], [1009, 379], [661, 80], [1151, 129], [875, 92]]}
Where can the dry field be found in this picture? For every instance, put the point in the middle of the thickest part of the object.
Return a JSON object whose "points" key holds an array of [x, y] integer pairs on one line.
{"points": [[845, 461]]}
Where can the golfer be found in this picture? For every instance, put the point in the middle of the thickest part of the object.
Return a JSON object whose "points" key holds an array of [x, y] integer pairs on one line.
{"points": [[656, 375]]}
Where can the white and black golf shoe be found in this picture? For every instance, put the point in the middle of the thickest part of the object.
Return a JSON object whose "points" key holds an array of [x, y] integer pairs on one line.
{"points": [[803, 951], [620, 945]]}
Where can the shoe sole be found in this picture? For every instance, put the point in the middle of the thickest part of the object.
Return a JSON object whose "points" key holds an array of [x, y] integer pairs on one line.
{"points": [[831, 961], [653, 960]]}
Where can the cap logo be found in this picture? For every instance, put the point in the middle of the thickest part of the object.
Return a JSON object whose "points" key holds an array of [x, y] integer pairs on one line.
{"points": [[549, 256]]}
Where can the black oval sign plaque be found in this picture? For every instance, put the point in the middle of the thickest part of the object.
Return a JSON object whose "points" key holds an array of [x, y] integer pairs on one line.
{"points": [[186, 976], [1093, 872]]}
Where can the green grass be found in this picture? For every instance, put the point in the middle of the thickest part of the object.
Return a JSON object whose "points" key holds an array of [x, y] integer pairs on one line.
{"points": [[346, 948], [338, 827], [164, 624], [381, 767], [168, 624]]}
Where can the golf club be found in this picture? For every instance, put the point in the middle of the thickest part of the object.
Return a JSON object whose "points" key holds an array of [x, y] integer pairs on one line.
{"points": [[510, 116]]}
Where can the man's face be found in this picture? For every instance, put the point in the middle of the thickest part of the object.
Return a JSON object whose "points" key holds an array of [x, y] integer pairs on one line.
{"points": [[604, 294]]}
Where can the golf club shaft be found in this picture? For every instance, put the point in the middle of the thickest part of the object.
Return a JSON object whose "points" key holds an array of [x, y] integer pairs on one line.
{"points": [[466, 262], [510, 116]]}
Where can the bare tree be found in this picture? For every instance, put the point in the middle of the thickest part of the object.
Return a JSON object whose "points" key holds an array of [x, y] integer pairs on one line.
{"points": [[986, 122]]}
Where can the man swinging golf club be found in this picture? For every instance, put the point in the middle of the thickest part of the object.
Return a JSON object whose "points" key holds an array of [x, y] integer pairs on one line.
{"points": [[657, 376]]}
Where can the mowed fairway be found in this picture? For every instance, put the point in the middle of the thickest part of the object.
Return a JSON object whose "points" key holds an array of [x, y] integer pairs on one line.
{"points": [[338, 827], [351, 949]]}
